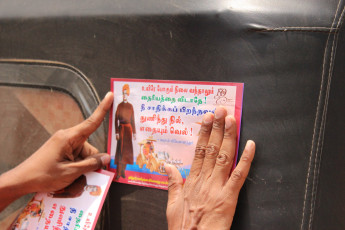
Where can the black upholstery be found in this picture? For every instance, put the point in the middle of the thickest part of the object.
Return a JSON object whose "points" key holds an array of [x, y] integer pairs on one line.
{"points": [[289, 54]]}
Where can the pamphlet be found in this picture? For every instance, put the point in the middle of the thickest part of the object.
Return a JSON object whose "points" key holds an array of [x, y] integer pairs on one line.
{"points": [[153, 122], [75, 207]]}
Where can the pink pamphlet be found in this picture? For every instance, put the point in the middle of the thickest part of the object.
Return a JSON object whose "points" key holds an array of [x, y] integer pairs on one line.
{"points": [[74, 207], [153, 122]]}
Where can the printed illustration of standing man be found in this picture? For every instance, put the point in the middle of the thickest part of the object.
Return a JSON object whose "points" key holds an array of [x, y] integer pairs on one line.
{"points": [[124, 128]]}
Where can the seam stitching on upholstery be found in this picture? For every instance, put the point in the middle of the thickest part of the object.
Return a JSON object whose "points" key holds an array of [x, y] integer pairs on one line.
{"points": [[303, 27], [313, 137], [323, 125], [316, 120], [296, 30], [308, 29], [341, 19], [317, 152], [314, 134]]}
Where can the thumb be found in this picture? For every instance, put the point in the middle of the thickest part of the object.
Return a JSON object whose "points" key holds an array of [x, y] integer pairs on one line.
{"points": [[175, 183], [91, 163]]}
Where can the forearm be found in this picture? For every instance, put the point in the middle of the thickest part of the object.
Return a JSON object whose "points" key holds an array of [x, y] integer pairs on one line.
{"points": [[61, 160], [12, 187]]}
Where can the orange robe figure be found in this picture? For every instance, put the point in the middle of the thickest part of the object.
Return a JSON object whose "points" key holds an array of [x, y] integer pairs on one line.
{"points": [[125, 127]]}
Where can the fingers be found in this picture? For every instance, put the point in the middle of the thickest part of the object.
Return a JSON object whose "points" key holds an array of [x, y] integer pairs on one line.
{"points": [[225, 158], [175, 183], [204, 136], [88, 150], [82, 151], [214, 142], [83, 130], [90, 163], [239, 175]]}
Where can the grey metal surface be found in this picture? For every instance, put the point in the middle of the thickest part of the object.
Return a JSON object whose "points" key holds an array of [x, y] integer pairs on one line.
{"points": [[55, 76]]}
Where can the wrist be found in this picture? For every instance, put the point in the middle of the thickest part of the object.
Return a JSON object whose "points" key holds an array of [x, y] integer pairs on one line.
{"points": [[205, 223], [215, 222], [15, 182], [11, 188]]}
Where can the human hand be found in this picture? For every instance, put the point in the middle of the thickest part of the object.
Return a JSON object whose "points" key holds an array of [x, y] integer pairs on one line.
{"points": [[64, 157], [209, 197], [117, 136]]}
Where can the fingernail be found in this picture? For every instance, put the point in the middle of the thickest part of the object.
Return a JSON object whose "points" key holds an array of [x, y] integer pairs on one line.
{"points": [[105, 160], [107, 94], [220, 112], [228, 122], [167, 169], [250, 145], [207, 118]]}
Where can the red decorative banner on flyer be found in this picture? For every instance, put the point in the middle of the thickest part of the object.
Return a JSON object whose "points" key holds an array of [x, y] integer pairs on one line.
{"points": [[153, 122], [75, 207]]}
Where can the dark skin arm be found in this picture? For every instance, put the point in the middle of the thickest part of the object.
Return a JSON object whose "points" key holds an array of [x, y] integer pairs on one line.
{"points": [[61, 160]]}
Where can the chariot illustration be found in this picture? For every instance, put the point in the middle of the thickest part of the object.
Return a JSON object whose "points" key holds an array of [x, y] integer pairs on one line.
{"points": [[33, 209], [153, 160]]}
